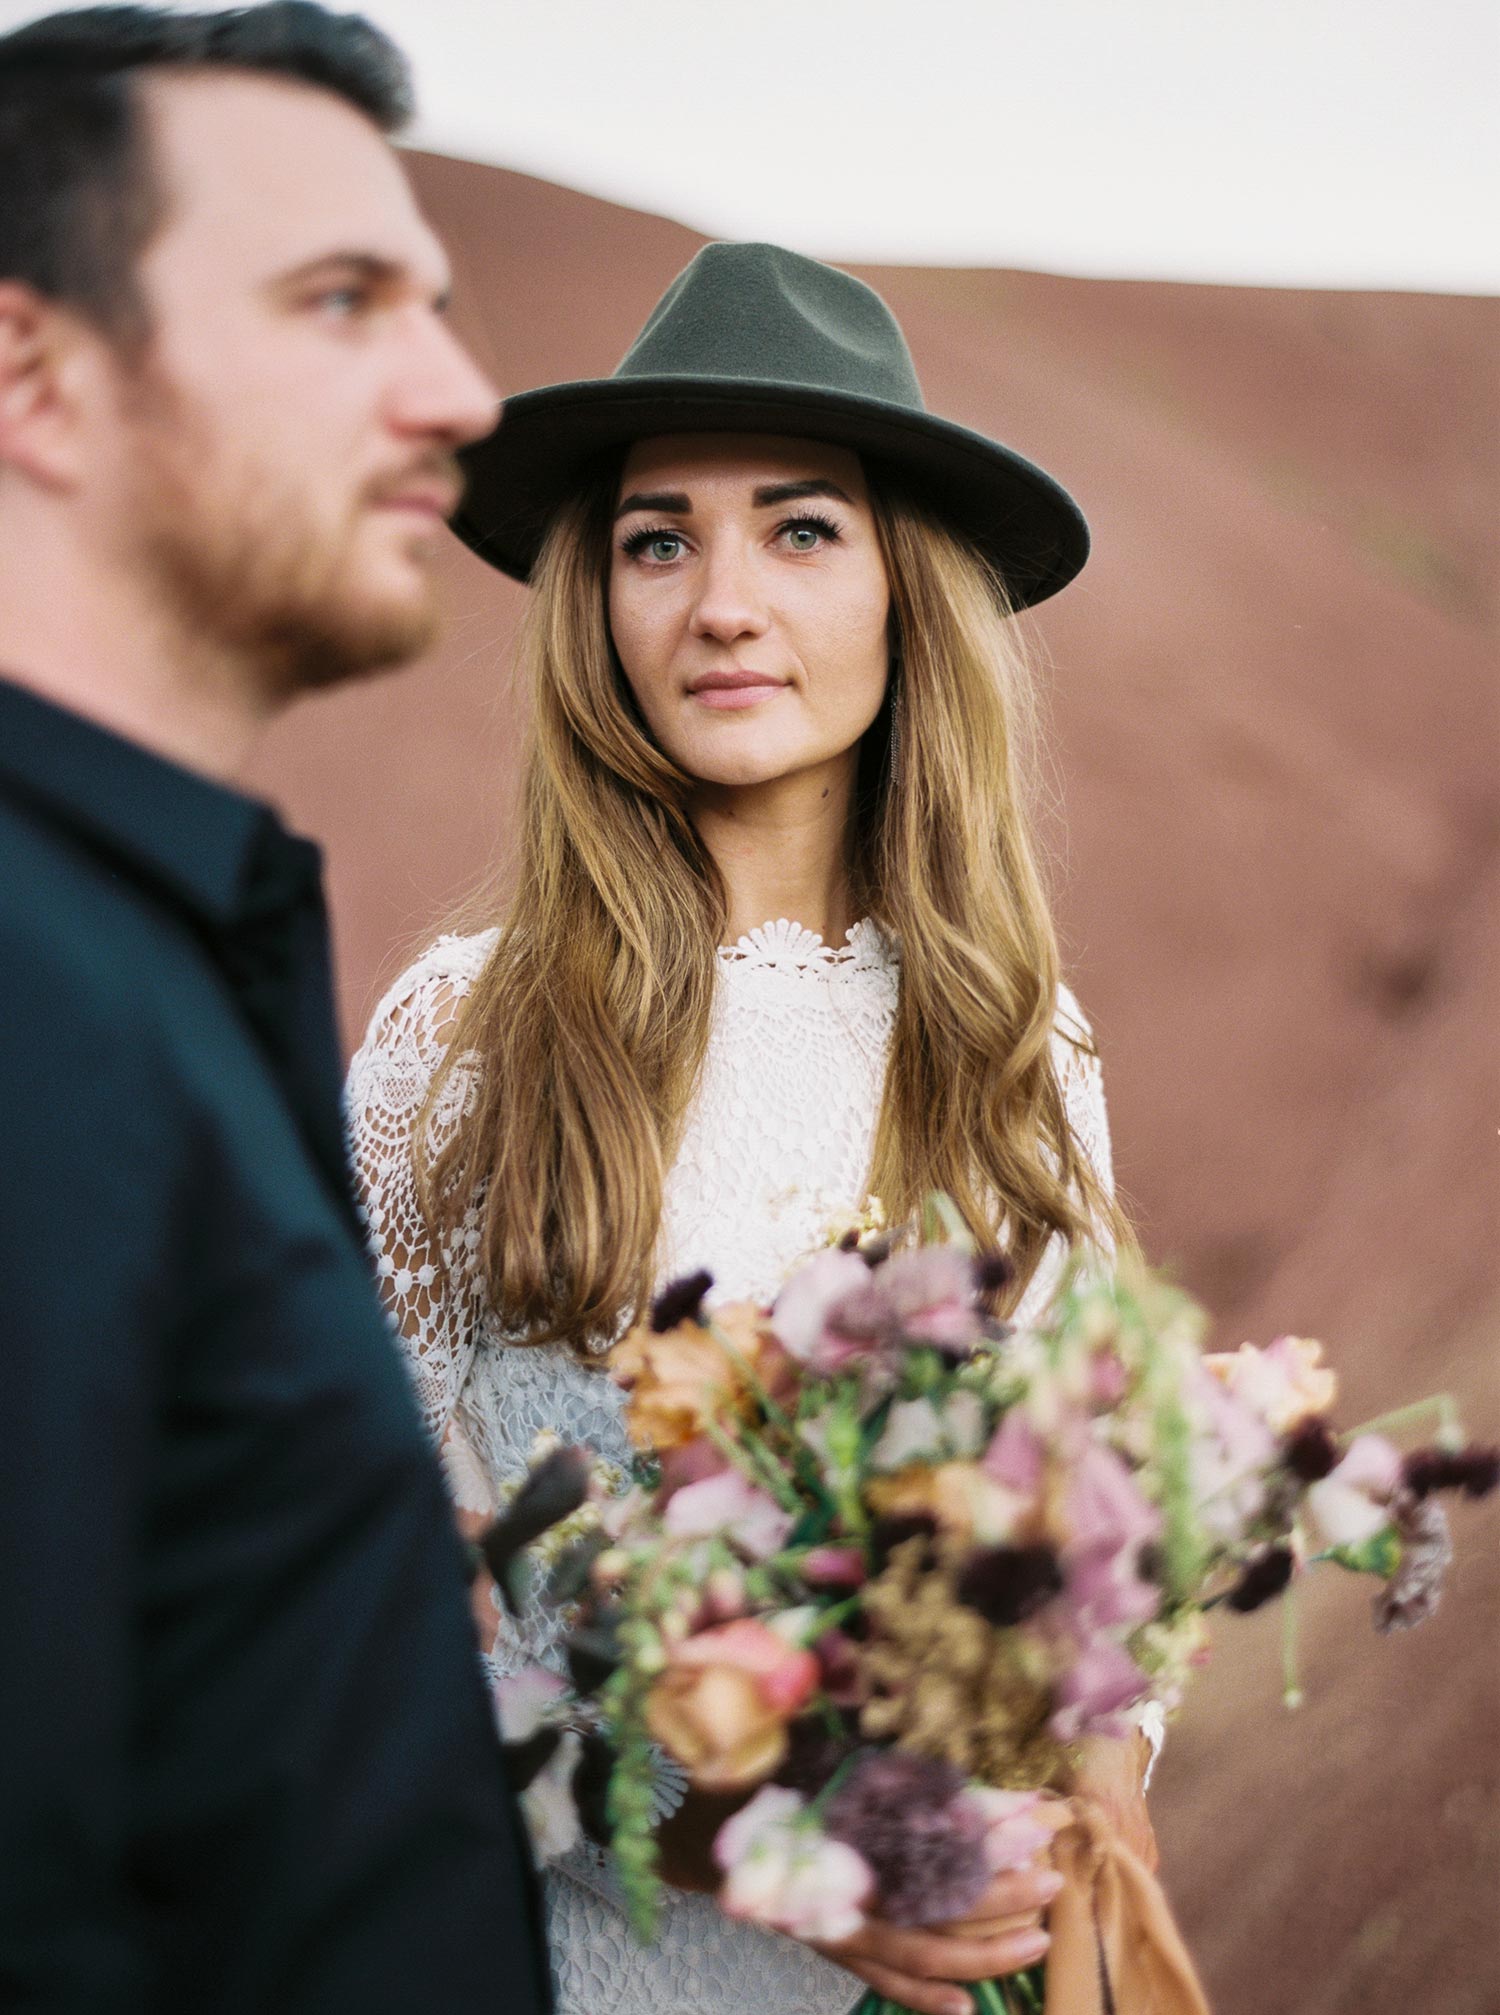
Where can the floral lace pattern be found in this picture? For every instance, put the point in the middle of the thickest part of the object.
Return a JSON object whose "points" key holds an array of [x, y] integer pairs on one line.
{"points": [[777, 1141]]}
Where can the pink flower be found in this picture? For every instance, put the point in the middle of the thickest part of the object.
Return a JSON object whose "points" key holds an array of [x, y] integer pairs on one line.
{"points": [[924, 1296], [1233, 1449], [838, 1662], [1104, 1510], [834, 1567], [690, 1462], [1102, 1681], [785, 1673], [1013, 1833], [1107, 1382], [728, 1502], [1016, 1456], [782, 1870], [1106, 1593], [800, 1319], [1353, 1502]]}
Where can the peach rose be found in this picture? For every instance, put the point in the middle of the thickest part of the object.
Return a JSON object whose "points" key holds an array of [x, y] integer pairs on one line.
{"points": [[681, 1379], [959, 1495], [717, 1722], [1286, 1384], [722, 1705]]}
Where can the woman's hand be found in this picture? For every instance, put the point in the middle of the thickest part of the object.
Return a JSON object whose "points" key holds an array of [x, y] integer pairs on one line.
{"points": [[1113, 1775], [919, 1967]]}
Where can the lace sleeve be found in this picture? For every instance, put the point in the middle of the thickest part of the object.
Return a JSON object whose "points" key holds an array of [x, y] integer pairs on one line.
{"points": [[430, 1292], [1082, 1080]]}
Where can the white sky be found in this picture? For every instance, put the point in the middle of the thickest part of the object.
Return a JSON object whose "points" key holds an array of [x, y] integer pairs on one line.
{"points": [[1296, 142]]}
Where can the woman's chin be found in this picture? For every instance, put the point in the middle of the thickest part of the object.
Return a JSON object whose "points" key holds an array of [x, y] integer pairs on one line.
{"points": [[743, 763]]}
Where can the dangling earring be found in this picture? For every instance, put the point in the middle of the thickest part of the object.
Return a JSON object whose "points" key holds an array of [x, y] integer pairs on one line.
{"points": [[895, 707]]}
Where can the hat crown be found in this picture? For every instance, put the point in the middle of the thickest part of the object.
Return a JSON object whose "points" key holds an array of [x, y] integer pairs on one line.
{"points": [[769, 316]]}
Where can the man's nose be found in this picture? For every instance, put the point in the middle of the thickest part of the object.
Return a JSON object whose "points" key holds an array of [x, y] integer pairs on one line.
{"points": [[729, 603], [443, 392]]}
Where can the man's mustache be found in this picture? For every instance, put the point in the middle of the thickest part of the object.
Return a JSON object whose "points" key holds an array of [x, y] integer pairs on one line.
{"points": [[438, 473]]}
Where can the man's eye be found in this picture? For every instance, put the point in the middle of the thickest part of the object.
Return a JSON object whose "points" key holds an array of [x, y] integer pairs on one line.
{"points": [[341, 304]]}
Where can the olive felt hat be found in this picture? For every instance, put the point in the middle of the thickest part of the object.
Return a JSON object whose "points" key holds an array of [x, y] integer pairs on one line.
{"points": [[756, 339]]}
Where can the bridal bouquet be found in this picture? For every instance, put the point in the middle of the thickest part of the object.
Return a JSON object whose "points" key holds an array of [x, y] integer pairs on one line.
{"points": [[885, 1562]]}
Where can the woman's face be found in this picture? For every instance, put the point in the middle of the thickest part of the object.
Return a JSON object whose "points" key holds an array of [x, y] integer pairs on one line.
{"points": [[748, 602]]}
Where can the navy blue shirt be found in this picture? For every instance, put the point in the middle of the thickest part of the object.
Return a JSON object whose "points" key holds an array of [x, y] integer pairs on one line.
{"points": [[247, 1766]]}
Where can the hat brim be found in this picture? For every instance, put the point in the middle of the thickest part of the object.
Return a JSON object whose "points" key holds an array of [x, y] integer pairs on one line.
{"points": [[1025, 524]]}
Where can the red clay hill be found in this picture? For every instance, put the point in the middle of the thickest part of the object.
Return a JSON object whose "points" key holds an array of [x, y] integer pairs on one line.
{"points": [[1274, 715]]}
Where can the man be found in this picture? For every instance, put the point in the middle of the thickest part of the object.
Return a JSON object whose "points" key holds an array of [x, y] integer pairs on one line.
{"points": [[246, 1761]]}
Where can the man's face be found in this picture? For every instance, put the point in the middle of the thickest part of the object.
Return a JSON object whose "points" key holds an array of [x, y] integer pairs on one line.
{"points": [[281, 459]]}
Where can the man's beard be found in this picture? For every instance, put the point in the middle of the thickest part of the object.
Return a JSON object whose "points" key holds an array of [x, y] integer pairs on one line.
{"points": [[244, 564]]}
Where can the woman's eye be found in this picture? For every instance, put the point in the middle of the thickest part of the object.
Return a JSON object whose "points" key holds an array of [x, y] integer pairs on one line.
{"points": [[657, 546], [805, 535]]}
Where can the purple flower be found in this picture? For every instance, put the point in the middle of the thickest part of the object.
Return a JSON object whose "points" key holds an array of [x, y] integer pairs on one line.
{"points": [[1475, 1471], [838, 1662], [680, 1301], [1266, 1576], [1006, 1584], [1312, 1452], [926, 1841]]}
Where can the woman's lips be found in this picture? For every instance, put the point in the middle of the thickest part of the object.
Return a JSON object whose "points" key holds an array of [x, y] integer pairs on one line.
{"points": [[729, 691]]}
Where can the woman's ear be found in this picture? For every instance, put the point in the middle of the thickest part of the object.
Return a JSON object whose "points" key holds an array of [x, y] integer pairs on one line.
{"points": [[46, 358]]}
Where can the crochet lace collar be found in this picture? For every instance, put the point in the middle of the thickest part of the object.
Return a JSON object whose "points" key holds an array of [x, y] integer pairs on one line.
{"points": [[789, 947]]}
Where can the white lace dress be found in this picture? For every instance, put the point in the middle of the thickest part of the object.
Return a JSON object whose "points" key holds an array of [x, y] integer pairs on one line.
{"points": [[777, 1142]]}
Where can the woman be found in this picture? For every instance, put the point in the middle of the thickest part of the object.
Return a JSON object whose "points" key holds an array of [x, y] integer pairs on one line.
{"points": [[778, 940]]}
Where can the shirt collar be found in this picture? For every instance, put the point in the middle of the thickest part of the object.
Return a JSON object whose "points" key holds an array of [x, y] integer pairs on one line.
{"points": [[208, 847]]}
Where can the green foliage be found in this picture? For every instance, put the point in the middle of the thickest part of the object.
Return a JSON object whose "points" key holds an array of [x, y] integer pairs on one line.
{"points": [[1380, 1554], [628, 1799]]}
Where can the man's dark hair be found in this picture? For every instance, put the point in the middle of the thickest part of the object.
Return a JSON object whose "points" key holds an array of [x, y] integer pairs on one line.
{"points": [[82, 197]]}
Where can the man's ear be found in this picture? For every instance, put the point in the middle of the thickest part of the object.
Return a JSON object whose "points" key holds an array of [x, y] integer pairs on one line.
{"points": [[47, 360]]}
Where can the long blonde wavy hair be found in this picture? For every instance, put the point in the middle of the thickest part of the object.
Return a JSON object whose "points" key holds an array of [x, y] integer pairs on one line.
{"points": [[582, 1040]]}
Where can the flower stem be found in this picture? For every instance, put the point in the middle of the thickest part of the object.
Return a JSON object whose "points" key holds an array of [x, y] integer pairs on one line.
{"points": [[1441, 1403], [758, 1465], [942, 1224], [992, 1997]]}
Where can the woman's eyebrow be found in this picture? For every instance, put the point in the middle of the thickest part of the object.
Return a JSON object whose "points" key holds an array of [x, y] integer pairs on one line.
{"points": [[789, 493], [657, 500], [769, 494]]}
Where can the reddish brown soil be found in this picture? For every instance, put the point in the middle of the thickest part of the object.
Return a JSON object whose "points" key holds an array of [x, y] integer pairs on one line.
{"points": [[1274, 705]]}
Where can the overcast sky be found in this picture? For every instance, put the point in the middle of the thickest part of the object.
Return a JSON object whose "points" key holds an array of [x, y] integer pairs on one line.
{"points": [[1296, 142]]}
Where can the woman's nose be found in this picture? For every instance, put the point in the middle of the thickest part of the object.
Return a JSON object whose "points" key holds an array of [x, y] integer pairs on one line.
{"points": [[729, 603]]}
